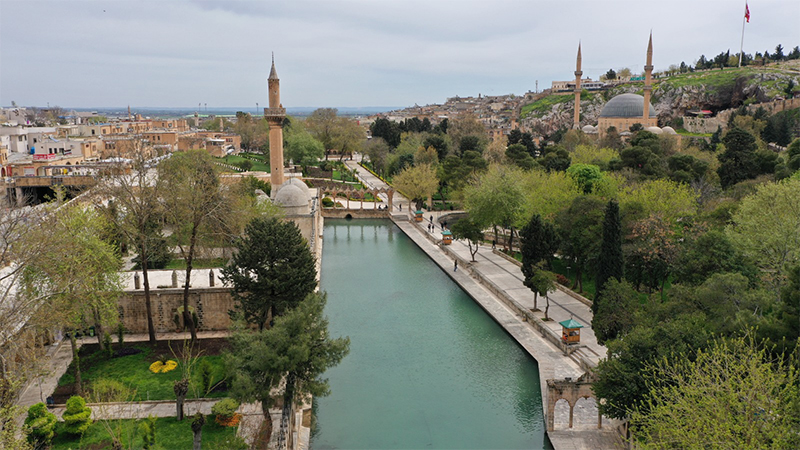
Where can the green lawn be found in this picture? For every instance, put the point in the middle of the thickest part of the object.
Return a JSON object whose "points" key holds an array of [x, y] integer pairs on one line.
{"points": [[337, 175], [170, 434], [199, 263], [134, 372], [234, 160]]}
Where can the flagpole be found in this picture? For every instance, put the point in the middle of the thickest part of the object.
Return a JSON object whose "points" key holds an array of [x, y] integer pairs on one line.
{"points": [[741, 47]]}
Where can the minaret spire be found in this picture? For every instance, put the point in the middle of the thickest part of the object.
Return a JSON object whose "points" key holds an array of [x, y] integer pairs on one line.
{"points": [[576, 123], [648, 74], [275, 115]]}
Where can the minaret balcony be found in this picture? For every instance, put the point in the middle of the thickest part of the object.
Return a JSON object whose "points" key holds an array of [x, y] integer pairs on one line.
{"points": [[277, 113]]}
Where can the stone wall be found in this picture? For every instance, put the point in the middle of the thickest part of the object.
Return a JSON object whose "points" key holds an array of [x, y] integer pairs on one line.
{"points": [[710, 124], [211, 304]]}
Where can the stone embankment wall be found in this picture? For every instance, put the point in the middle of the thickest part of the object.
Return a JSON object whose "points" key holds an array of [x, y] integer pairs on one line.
{"points": [[210, 304], [710, 124]]}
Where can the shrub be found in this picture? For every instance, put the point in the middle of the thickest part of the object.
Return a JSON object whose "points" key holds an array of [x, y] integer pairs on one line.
{"points": [[107, 344], [120, 334], [562, 280], [42, 424], [78, 416], [108, 391], [225, 408], [327, 202], [148, 429]]}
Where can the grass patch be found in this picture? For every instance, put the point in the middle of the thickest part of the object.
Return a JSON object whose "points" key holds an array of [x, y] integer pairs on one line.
{"points": [[235, 160], [343, 176], [134, 372], [170, 434], [683, 132], [198, 263], [542, 106]]}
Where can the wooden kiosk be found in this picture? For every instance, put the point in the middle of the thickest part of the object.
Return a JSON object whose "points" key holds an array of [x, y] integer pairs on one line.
{"points": [[571, 331], [418, 215], [447, 237]]}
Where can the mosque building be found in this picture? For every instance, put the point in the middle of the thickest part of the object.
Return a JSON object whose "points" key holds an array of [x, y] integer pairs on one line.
{"points": [[624, 110]]}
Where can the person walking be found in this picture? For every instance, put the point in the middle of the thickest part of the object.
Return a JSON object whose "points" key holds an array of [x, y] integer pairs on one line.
{"points": [[455, 266]]}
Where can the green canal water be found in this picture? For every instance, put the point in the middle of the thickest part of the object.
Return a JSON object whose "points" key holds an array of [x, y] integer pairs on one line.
{"points": [[427, 368]]}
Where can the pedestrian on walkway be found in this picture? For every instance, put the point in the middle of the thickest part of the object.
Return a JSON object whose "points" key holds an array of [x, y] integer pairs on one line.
{"points": [[442, 225], [401, 207], [494, 244], [455, 266], [431, 218]]}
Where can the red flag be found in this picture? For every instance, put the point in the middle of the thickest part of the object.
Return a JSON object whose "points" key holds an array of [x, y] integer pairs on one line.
{"points": [[746, 12]]}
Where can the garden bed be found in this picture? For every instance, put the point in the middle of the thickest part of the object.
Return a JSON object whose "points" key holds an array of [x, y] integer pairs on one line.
{"points": [[170, 434], [133, 370]]}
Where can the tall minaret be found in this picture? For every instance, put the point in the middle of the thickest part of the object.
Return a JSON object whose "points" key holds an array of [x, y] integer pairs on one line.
{"points": [[275, 115], [577, 121], [648, 73]]}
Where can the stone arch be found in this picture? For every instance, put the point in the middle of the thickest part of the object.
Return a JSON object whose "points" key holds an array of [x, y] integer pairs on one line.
{"points": [[571, 391], [562, 409], [585, 411]]}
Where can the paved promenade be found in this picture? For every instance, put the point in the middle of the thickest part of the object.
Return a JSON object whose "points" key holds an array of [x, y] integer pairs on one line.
{"points": [[507, 277]]}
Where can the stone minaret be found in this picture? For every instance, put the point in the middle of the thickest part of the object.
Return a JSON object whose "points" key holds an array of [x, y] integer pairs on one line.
{"points": [[577, 121], [648, 74], [275, 115]]}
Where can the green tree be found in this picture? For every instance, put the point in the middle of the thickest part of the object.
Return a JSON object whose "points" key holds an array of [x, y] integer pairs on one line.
{"points": [[580, 228], [467, 127], [738, 161], [418, 183], [80, 276], [303, 149], [585, 175], [732, 395], [664, 198], [193, 204], [271, 271], [467, 229], [495, 199], [766, 228], [615, 315], [710, 253], [518, 154], [298, 349], [377, 150], [387, 130], [539, 243], [610, 261]]}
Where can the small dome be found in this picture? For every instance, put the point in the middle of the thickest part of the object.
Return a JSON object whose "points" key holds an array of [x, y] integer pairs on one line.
{"points": [[626, 105], [589, 129], [654, 130], [296, 182], [291, 196], [668, 130]]}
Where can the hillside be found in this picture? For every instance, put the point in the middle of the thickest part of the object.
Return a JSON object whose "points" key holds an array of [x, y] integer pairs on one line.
{"points": [[714, 90]]}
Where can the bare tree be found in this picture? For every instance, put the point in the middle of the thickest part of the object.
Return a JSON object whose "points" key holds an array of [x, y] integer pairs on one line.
{"points": [[134, 187]]}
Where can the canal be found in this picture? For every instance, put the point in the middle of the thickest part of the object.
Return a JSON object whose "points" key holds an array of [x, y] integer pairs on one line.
{"points": [[427, 368]]}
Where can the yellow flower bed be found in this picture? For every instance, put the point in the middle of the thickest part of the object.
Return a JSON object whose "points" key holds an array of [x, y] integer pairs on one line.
{"points": [[159, 367]]}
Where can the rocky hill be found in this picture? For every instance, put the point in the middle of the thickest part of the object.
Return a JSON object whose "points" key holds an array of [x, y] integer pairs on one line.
{"points": [[714, 90]]}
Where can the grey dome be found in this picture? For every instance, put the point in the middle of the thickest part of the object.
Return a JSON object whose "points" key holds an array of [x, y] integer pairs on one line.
{"points": [[669, 130], [626, 105], [589, 129], [291, 196], [296, 182], [654, 130]]}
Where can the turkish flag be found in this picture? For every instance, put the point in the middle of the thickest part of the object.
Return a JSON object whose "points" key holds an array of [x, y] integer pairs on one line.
{"points": [[747, 12]]}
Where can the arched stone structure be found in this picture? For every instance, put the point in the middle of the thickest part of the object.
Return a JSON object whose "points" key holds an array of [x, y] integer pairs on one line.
{"points": [[571, 391]]}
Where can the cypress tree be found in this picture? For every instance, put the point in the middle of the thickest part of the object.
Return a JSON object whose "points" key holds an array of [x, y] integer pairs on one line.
{"points": [[609, 263], [539, 242]]}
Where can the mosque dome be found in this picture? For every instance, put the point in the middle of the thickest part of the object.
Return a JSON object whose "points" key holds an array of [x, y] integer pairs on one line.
{"points": [[291, 196], [588, 129], [627, 106], [668, 130], [654, 130], [296, 182]]}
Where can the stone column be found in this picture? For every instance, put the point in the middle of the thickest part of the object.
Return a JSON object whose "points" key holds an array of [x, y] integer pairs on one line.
{"points": [[571, 408]]}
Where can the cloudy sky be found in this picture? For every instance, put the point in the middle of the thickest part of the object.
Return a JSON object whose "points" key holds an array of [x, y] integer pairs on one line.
{"points": [[351, 53]]}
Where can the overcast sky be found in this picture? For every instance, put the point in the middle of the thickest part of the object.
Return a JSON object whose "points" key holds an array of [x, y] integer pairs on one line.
{"points": [[351, 53]]}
